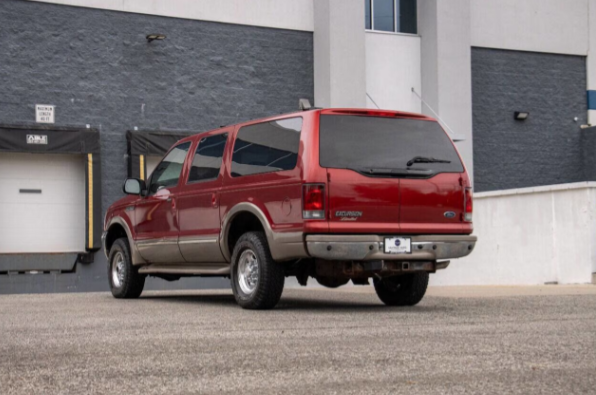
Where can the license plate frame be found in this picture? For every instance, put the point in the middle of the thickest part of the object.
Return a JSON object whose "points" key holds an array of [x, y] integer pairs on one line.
{"points": [[397, 245]]}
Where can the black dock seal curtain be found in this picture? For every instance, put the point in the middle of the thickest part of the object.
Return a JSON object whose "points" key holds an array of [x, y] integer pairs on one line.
{"points": [[52, 139], [143, 143]]}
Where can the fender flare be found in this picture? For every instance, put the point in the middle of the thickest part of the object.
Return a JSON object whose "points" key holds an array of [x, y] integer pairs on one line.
{"points": [[135, 256], [229, 218], [282, 245]]}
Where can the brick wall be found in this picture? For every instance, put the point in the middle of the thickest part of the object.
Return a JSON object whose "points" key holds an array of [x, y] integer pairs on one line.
{"points": [[97, 68], [546, 148]]}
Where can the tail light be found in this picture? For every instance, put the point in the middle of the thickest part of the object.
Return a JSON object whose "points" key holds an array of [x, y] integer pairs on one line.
{"points": [[468, 205], [313, 201]]}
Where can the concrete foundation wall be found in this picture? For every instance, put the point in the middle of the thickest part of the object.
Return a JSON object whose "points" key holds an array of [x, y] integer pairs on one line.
{"points": [[530, 236]]}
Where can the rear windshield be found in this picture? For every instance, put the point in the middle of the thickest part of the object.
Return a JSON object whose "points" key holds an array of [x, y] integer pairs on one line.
{"points": [[357, 142]]}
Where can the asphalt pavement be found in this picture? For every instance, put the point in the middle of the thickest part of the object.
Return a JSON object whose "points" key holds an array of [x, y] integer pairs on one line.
{"points": [[497, 340]]}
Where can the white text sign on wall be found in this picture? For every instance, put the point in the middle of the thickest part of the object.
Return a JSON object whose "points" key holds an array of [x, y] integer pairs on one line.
{"points": [[37, 139], [44, 113]]}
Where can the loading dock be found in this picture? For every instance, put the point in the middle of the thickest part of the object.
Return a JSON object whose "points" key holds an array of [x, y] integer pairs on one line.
{"points": [[50, 205]]}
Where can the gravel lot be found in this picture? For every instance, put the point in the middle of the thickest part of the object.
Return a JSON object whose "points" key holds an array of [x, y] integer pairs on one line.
{"points": [[458, 340]]}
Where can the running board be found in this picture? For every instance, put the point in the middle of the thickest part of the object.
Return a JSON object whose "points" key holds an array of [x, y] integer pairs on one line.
{"points": [[212, 270]]}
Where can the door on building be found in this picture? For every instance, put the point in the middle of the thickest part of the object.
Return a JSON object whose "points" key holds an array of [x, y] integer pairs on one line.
{"points": [[42, 203], [156, 216]]}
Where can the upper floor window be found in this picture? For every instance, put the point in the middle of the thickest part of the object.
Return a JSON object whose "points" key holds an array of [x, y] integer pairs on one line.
{"points": [[398, 16]]}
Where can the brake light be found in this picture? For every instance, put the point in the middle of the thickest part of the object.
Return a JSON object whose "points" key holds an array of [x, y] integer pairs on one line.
{"points": [[313, 201], [468, 205]]}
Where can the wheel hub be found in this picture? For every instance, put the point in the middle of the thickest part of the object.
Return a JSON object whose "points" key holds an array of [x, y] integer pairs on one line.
{"points": [[248, 272], [118, 270]]}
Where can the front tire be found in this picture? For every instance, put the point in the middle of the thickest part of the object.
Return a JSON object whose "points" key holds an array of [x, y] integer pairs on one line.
{"points": [[257, 280], [125, 280], [406, 290]]}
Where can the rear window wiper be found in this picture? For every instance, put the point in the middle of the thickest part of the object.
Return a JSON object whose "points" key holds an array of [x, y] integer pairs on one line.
{"points": [[422, 159], [395, 172]]}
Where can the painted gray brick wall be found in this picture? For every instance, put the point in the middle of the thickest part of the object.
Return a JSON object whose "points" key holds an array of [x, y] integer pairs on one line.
{"points": [[545, 149], [588, 144], [97, 68]]}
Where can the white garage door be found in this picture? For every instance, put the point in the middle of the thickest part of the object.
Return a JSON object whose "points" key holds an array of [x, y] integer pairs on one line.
{"points": [[42, 203]]}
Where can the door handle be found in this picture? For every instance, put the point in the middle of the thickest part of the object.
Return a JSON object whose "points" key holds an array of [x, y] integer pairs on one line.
{"points": [[214, 200], [172, 201]]}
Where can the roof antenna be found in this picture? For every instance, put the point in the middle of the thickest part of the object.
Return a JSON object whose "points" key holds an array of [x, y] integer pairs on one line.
{"points": [[304, 104], [454, 136], [371, 99]]}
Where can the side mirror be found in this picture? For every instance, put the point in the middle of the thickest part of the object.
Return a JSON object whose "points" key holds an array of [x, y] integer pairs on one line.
{"points": [[134, 186]]}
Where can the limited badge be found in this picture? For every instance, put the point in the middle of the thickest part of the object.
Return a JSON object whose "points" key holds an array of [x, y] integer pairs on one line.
{"points": [[348, 215]]}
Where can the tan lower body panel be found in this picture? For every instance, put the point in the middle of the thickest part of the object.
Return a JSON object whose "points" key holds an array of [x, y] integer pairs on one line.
{"points": [[201, 249], [211, 270]]}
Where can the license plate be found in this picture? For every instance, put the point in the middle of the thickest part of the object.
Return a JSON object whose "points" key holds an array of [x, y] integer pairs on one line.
{"points": [[398, 245]]}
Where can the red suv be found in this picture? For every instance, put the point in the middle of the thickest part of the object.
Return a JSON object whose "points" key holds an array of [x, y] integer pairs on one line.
{"points": [[335, 194]]}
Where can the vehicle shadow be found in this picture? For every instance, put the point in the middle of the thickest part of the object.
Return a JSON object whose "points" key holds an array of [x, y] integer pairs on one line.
{"points": [[214, 299], [322, 305], [360, 303]]}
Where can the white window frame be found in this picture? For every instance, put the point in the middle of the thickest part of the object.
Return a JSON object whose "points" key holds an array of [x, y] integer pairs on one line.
{"points": [[395, 21]]}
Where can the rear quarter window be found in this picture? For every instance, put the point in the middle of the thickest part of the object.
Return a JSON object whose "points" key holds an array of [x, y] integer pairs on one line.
{"points": [[267, 147]]}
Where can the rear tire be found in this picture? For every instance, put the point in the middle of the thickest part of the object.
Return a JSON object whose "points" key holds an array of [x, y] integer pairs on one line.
{"points": [[257, 280], [125, 280], [407, 290]]}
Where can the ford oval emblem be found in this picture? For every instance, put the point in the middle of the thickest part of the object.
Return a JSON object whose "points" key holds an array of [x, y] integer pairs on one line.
{"points": [[449, 214]]}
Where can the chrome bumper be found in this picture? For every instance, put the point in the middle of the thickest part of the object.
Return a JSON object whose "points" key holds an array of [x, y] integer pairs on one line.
{"points": [[368, 248]]}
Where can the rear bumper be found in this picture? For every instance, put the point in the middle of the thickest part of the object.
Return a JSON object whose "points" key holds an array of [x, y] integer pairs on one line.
{"points": [[371, 247]]}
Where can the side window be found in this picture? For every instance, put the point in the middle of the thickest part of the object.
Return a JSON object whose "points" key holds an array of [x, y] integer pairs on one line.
{"points": [[267, 147], [208, 158], [167, 173]]}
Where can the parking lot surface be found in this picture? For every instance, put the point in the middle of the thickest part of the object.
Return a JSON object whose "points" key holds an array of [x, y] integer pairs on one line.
{"points": [[458, 340]]}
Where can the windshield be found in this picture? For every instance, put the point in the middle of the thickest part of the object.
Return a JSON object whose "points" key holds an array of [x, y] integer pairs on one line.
{"points": [[358, 142]]}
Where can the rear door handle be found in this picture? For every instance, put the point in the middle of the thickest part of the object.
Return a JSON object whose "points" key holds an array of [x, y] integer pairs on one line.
{"points": [[172, 201]]}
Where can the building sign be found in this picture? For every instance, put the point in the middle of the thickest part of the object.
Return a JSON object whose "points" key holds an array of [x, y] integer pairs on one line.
{"points": [[37, 139], [44, 113]]}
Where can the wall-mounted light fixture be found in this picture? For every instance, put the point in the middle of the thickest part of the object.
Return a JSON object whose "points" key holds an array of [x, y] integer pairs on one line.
{"points": [[521, 115], [153, 37]]}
